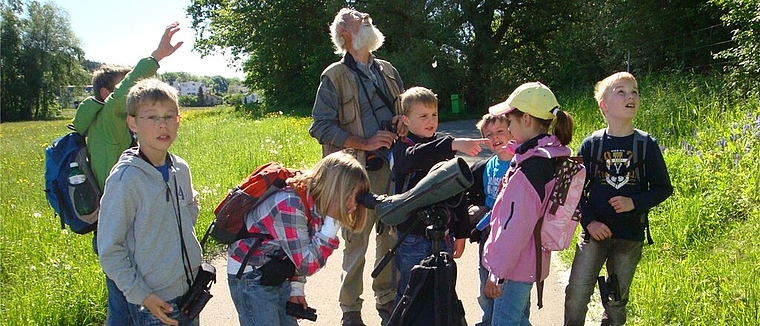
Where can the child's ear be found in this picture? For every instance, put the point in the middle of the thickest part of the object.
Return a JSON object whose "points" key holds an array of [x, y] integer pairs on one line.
{"points": [[132, 123], [104, 93], [405, 120], [603, 108]]}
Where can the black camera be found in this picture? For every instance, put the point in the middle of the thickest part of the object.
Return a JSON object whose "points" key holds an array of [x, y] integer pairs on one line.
{"points": [[196, 298], [388, 126], [609, 289], [297, 310]]}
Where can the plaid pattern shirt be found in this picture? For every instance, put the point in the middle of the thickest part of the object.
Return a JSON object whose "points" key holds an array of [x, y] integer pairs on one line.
{"points": [[282, 216]]}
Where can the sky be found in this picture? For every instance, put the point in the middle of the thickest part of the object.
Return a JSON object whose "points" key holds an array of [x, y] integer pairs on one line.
{"points": [[123, 32]]}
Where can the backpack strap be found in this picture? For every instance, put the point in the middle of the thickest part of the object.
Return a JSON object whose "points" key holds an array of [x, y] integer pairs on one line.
{"points": [[539, 263], [640, 141], [301, 192], [597, 144], [259, 238]]}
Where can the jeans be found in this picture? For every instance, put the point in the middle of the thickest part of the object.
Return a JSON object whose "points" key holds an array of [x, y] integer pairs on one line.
{"points": [[513, 306], [143, 317], [118, 308], [486, 303], [621, 256], [354, 250], [414, 249], [258, 304]]}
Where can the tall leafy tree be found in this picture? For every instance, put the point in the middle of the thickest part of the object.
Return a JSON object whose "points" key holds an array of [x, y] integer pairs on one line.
{"points": [[12, 91], [743, 17], [284, 43], [47, 59]]}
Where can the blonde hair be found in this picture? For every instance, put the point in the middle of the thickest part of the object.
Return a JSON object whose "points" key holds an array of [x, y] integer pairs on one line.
{"points": [[107, 76], [150, 91], [417, 95], [332, 180], [488, 119], [603, 85]]}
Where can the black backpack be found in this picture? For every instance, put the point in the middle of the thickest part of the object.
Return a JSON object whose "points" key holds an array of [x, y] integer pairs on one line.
{"points": [[431, 298]]}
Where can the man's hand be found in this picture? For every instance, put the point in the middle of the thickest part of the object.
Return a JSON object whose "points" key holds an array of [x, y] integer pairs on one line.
{"points": [[599, 231], [401, 128], [159, 308], [621, 204], [468, 146], [382, 138], [165, 48]]}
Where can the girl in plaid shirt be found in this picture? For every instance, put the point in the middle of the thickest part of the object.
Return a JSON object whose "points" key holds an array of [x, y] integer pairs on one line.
{"points": [[300, 237]]}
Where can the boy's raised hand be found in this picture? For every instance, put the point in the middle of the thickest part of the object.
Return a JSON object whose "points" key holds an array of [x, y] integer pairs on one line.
{"points": [[468, 146], [165, 47]]}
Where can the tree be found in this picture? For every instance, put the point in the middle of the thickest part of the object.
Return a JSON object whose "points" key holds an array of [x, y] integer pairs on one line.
{"points": [[201, 97], [12, 91], [220, 84], [743, 17], [286, 42], [47, 58]]}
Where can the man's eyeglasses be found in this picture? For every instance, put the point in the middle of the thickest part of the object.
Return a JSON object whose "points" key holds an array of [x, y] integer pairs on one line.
{"points": [[169, 119]]}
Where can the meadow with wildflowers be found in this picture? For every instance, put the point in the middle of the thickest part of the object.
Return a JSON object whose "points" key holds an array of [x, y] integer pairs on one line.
{"points": [[702, 269]]}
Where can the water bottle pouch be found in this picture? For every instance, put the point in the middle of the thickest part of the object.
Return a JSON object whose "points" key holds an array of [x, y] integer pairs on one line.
{"points": [[91, 191]]}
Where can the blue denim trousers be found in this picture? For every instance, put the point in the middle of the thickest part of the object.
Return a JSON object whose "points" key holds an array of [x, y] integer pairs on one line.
{"points": [[143, 317], [414, 249], [512, 308], [486, 303], [258, 304], [118, 307], [621, 256]]}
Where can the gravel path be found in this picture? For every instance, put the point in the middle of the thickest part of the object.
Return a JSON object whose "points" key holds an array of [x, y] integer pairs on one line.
{"points": [[322, 287]]}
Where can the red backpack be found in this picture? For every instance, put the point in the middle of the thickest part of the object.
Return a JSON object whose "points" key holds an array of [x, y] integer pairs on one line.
{"points": [[229, 224]]}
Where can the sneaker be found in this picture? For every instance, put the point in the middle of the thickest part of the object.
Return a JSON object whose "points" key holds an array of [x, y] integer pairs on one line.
{"points": [[385, 311], [352, 318]]}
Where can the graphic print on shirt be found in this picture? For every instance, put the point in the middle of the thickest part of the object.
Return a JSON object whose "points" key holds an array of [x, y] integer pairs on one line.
{"points": [[618, 163]]}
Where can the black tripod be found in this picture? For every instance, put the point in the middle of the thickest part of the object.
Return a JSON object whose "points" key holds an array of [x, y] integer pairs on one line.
{"points": [[430, 294]]}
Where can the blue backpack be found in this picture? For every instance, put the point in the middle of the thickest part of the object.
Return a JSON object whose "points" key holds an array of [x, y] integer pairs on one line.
{"points": [[58, 156]]}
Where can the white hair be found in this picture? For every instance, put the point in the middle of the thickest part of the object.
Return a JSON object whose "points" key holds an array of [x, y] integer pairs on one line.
{"points": [[366, 36]]}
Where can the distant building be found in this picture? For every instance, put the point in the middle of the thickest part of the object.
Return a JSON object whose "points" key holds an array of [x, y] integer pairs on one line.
{"points": [[251, 98], [190, 88], [71, 95], [237, 89]]}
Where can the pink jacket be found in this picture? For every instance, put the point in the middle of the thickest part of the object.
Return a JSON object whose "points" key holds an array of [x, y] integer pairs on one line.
{"points": [[510, 251]]}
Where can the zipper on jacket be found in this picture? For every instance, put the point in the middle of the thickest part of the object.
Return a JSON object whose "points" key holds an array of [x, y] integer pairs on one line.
{"points": [[511, 213]]}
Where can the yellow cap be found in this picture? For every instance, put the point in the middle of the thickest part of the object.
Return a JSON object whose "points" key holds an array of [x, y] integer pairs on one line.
{"points": [[532, 98]]}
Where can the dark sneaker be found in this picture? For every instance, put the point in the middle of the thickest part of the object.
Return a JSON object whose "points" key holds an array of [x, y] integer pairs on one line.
{"points": [[385, 311], [352, 318]]}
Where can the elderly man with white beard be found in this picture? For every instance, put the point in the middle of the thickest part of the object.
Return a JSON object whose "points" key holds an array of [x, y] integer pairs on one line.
{"points": [[356, 107]]}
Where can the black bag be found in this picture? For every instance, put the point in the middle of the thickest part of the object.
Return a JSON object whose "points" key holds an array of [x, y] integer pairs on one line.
{"points": [[276, 271], [431, 295]]}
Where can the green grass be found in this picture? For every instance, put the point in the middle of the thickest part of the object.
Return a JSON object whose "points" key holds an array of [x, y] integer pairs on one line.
{"points": [[702, 269]]}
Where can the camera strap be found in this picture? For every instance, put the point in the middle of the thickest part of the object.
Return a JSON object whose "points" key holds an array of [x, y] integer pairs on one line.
{"points": [[185, 257], [350, 62]]}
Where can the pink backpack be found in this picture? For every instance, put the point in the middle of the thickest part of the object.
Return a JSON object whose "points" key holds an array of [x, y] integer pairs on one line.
{"points": [[561, 212], [554, 230]]}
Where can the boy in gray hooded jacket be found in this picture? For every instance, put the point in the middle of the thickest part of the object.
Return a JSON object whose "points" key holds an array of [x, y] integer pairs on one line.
{"points": [[146, 231]]}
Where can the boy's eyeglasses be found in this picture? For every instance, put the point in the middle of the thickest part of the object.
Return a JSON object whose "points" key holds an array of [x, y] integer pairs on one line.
{"points": [[169, 119]]}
